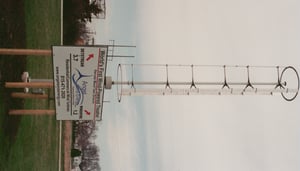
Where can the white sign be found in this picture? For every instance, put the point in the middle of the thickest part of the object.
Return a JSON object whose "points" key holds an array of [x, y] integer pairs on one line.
{"points": [[79, 73]]}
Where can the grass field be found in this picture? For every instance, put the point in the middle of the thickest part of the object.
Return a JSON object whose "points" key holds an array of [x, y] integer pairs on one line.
{"points": [[35, 143]]}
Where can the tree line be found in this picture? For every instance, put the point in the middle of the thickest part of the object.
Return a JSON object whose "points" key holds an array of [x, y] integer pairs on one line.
{"points": [[76, 14], [83, 137]]}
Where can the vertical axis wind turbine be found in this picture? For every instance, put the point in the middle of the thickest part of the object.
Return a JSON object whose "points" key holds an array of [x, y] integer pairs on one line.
{"points": [[232, 80]]}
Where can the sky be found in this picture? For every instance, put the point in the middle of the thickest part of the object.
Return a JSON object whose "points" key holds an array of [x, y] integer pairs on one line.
{"points": [[207, 133]]}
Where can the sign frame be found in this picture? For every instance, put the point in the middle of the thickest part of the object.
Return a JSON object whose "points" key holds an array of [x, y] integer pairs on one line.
{"points": [[79, 75]]}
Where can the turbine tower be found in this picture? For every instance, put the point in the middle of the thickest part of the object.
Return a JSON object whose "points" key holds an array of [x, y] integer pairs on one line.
{"points": [[199, 80]]}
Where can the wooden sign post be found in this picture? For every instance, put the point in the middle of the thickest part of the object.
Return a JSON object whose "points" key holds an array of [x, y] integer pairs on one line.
{"points": [[31, 112], [49, 84], [30, 95], [34, 52], [29, 84]]}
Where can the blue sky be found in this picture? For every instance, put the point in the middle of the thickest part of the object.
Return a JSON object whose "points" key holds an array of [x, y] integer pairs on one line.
{"points": [[209, 133]]}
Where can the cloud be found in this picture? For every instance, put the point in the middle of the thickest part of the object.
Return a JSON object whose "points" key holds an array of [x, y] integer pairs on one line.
{"points": [[208, 132], [122, 137]]}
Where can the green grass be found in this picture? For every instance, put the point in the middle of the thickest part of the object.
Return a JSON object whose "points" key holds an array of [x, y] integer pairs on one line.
{"points": [[43, 30], [36, 143]]}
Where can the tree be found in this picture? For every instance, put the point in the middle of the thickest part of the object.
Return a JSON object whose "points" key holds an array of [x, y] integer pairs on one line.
{"points": [[90, 9], [75, 152], [90, 158], [85, 134], [76, 14], [89, 166], [90, 152], [85, 131]]}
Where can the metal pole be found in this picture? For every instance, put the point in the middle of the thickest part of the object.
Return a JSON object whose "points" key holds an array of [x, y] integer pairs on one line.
{"points": [[188, 83], [120, 56], [36, 52], [121, 45], [198, 91]]}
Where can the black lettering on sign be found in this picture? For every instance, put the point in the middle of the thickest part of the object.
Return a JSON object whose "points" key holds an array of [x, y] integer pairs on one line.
{"points": [[82, 57], [80, 112], [75, 57]]}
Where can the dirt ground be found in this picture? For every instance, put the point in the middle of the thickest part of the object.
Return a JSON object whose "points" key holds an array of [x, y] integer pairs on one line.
{"points": [[67, 136]]}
